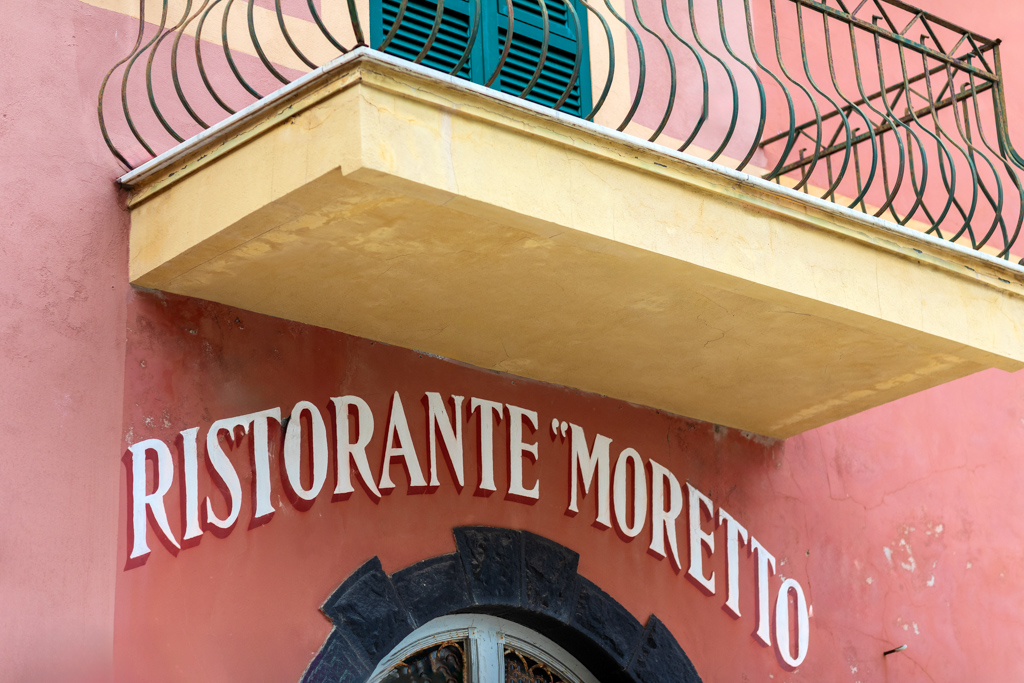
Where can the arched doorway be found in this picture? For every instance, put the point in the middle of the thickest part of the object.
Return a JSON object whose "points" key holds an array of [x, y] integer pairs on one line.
{"points": [[479, 648], [515, 575]]}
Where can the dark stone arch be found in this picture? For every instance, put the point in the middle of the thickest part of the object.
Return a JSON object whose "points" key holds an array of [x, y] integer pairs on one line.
{"points": [[512, 574]]}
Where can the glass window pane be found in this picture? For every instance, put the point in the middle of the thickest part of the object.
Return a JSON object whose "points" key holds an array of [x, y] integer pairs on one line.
{"points": [[442, 663], [521, 668]]}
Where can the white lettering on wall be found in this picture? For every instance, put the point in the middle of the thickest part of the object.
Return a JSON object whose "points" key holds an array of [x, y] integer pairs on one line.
{"points": [[349, 452], [261, 458], [765, 561], [190, 444], [734, 533], [699, 538], [585, 464], [663, 519], [437, 420], [518, 450], [638, 494], [398, 426], [154, 501], [489, 411], [317, 448], [782, 633], [224, 470], [630, 525]]}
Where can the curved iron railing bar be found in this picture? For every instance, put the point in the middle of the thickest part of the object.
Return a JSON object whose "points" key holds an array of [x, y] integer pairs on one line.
{"points": [[892, 88], [353, 16], [227, 52], [952, 196], [732, 84], [103, 87], [579, 55], [963, 127], [395, 26], [259, 48], [911, 137], [975, 176], [330, 36], [174, 68], [791, 136], [1010, 170], [474, 29], [816, 156], [1002, 122], [199, 59], [127, 73], [895, 122], [892, 191], [672, 72], [968, 216], [642, 76], [611, 62], [288, 37], [817, 89], [509, 37], [857, 174], [149, 73], [940, 146], [895, 37], [438, 18], [703, 77], [852, 106], [544, 45], [891, 121], [919, 202], [760, 87]]}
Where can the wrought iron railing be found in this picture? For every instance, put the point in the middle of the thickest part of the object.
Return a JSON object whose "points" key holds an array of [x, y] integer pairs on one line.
{"points": [[872, 104]]}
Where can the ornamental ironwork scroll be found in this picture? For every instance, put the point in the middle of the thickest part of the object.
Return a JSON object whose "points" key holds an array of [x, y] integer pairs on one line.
{"points": [[521, 668], [875, 105], [442, 663]]}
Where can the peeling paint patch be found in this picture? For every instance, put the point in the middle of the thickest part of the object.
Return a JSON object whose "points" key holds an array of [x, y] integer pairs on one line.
{"points": [[911, 564], [888, 553], [869, 581], [931, 581]]}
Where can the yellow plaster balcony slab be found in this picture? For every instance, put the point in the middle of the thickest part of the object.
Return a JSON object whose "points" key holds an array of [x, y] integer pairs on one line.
{"points": [[384, 200]]}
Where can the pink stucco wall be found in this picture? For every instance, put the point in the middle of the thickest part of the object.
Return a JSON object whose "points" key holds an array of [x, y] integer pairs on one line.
{"points": [[63, 283]]}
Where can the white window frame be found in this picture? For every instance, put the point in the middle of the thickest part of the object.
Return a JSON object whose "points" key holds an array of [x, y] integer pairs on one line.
{"points": [[486, 637]]}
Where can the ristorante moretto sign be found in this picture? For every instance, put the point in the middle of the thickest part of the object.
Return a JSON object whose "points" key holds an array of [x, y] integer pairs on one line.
{"points": [[632, 494]]}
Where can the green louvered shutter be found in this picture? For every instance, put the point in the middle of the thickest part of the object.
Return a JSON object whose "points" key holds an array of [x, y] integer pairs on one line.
{"points": [[524, 54], [414, 31], [523, 57]]}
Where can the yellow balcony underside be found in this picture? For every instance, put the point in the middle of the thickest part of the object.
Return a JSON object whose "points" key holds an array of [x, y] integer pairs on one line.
{"points": [[383, 200]]}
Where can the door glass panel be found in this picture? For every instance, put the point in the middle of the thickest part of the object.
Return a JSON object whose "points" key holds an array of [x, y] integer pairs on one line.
{"points": [[443, 663], [520, 668]]}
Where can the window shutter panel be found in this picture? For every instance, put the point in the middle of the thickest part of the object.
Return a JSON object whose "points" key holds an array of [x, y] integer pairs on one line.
{"points": [[414, 31], [524, 55]]}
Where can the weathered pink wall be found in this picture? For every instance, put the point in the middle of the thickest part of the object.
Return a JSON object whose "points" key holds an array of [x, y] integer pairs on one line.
{"points": [[916, 511], [902, 524], [63, 283]]}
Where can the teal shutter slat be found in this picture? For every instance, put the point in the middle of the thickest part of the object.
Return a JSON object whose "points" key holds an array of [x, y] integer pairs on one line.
{"points": [[414, 31], [522, 63], [559, 21], [563, 44], [524, 54]]}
